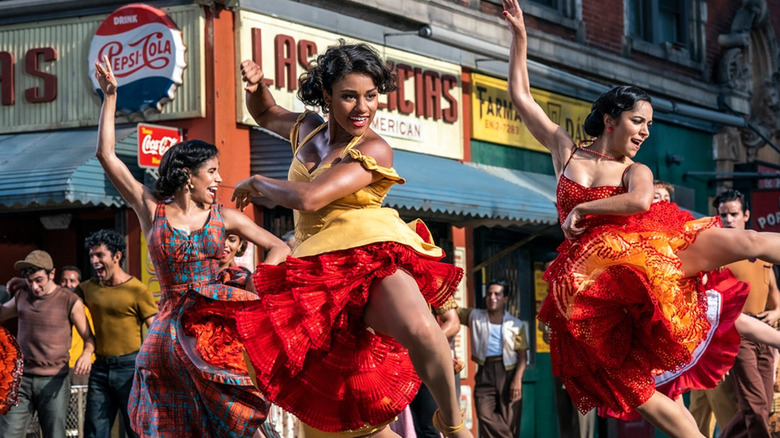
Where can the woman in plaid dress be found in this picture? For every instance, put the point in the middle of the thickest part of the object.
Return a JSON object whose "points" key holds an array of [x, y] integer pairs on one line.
{"points": [[190, 377]]}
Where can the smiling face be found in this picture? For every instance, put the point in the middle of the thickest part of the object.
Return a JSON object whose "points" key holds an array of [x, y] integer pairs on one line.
{"points": [[103, 262], [353, 103], [228, 254], [631, 129], [205, 181], [495, 300], [69, 279]]}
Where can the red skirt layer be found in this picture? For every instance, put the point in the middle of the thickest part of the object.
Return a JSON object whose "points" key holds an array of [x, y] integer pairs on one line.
{"points": [[621, 311], [310, 349], [10, 371]]}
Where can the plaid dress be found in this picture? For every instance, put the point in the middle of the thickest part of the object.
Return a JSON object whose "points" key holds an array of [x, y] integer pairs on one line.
{"points": [[178, 391]]}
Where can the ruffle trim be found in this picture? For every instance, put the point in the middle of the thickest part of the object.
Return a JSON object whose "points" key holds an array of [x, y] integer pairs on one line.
{"points": [[371, 164], [11, 365], [311, 351]]}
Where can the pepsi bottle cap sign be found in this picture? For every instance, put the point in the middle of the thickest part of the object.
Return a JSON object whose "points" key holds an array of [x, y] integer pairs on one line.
{"points": [[146, 53]]}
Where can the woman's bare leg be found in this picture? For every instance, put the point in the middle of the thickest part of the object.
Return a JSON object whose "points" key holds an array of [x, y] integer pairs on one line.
{"points": [[669, 417], [396, 308], [757, 331], [385, 433], [681, 403], [716, 247]]}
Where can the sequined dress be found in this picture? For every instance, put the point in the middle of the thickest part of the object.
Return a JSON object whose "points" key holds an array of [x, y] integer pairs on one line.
{"points": [[10, 371], [313, 355], [623, 316], [190, 378]]}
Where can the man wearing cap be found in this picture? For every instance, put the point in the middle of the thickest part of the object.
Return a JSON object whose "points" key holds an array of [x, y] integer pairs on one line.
{"points": [[46, 313]]}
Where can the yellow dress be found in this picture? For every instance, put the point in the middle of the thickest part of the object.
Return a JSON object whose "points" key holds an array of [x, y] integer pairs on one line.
{"points": [[312, 353]]}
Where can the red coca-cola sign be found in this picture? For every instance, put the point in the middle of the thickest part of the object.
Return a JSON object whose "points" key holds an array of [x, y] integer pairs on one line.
{"points": [[153, 142]]}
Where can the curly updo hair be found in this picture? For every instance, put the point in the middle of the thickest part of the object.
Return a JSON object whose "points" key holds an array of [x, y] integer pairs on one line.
{"points": [[613, 102], [339, 61], [189, 155]]}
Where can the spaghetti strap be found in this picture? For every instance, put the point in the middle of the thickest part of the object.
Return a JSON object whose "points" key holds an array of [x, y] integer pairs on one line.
{"points": [[295, 130], [573, 150]]}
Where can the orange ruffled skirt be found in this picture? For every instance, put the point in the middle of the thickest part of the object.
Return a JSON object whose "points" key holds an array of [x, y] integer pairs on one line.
{"points": [[10, 371], [621, 312], [313, 355]]}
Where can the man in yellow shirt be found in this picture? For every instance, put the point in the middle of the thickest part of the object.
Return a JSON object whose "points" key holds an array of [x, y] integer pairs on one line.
{"points": [[120, 304]]}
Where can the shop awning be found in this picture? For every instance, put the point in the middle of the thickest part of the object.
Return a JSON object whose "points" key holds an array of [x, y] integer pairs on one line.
{"points": [[59, 169], [474, 194]]}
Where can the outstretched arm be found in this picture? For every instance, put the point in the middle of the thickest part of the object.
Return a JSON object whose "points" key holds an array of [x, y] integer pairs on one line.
{"points": [[549, 134], [261, 103], [772, 313], [140, 198], [275, 249]]}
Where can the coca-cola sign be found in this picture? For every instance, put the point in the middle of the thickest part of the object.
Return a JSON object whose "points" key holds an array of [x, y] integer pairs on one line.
{"points": [[153, 142], [146, 53]]}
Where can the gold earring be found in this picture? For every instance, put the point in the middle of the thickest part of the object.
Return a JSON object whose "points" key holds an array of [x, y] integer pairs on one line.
{"points": [[191, 185]]}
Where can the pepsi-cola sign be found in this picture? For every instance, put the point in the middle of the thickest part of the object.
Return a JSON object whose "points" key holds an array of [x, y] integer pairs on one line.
{"points": [[146, 53]]}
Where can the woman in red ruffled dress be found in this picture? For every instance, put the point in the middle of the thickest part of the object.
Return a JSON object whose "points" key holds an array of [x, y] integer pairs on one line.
{"points": [[627, 299], [10, 371], [343, 329]]}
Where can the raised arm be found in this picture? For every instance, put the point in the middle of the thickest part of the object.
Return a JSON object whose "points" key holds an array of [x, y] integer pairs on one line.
{"points": [[636, 200], [549, 134], [237, 223], [261, 103], [342, 179], [140, 198]]}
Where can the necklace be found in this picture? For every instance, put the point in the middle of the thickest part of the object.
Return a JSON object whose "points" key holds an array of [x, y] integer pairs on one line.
{"points": [[606, 157]]}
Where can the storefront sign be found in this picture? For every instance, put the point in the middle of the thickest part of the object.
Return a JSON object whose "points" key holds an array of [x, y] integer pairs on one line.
{"points": [[765, 210], [146, 53], [423, 115], [494, 119], [153, 142]]}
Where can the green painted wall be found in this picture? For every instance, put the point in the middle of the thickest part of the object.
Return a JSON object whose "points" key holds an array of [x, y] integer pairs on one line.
{"points": [[510, 157]]}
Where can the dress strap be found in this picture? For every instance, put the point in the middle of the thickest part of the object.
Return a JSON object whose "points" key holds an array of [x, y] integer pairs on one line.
{"points": [[160, 210], [573, 150], [350, 146], [294, 132]]}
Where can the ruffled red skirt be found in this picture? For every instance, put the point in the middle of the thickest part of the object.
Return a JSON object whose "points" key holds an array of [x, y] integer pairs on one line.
{"points": [[621, 312], [10, 371], [312, 353]]}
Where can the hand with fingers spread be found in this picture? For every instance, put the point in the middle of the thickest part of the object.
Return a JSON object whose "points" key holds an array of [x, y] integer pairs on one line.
{"points": [[514, 18], [252, 74], [244, 192], [105, 76]]}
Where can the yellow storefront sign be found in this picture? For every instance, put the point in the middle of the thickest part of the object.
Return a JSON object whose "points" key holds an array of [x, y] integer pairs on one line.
{"points": [[494, 119]]}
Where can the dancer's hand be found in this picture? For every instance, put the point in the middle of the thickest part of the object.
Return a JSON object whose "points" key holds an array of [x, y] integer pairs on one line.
{"points": [[105, 77], [514, 18], [244, 192], [252, 75], [569, 226]]}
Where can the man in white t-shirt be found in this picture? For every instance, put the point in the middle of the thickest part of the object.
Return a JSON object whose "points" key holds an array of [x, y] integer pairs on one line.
{"points": [[499, 345]]}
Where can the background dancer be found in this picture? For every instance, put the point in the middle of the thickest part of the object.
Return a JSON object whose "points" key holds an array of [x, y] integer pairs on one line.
{"points": [[626, 268], [356, 294], [188, 381]]}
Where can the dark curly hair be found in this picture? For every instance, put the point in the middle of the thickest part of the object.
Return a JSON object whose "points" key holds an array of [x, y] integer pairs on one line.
{"points": [[114, 242], [731, 195], [613, 102], [189, 155], [339, 61]]}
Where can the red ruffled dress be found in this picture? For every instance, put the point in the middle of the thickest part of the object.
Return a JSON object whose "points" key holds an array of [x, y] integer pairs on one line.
{"points": [[311, 351], [10, 371], [622, 315]]}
